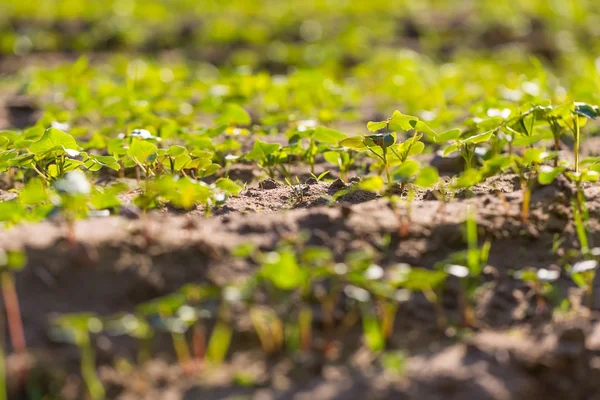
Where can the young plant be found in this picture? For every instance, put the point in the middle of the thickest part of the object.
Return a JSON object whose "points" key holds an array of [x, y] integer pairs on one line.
{"points": [[76, 329], [318, 140], [383, 145], [541, 282], [526, 168], [268, 156], [582, 112], [583, 274], [54, 154], [428, 282], [467, 268], [74, 190]]}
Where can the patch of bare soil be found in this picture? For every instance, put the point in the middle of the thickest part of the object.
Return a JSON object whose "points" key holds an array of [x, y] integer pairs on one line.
{"points": [[517, 350]]}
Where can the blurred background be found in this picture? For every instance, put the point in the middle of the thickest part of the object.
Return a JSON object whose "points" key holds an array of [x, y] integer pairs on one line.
{"points": [[275, 34]]}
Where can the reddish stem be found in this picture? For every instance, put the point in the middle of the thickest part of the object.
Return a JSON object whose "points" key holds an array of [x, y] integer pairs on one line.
{"points": [[13, 314]]}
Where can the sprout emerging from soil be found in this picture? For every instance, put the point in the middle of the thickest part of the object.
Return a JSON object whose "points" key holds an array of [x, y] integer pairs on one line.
{"points": [[73, 189], [583, 274]]}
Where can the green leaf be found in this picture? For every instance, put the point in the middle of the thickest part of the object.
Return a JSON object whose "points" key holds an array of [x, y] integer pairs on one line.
{"points": [[228, 186], [586, 110], [422, 127], [95, 163], [406, 170], [371, 184], [355, 142], [175, 151], [141, 151], [450, 149], [375, 126], [534, 155], [400, 121], [12, 260], [527, 140], [281, 268], [210, 170], [382, 140], [33, 193], [548, 174], [468, 178], [452, 134], [107, 198], [427, 177], [181, 162], [233, 114], [417, 279], [261, 150], [53, 139], [326, 135], [480, 137]]}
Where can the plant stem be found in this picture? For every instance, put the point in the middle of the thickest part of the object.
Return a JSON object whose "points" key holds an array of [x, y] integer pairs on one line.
{"points": [[88, 371], [579, 227], [44, 177], [199, 342], [305, 327], [387, 167], [13, 313], [181, 348], [577, 139], [3, 392], [526, 201]]}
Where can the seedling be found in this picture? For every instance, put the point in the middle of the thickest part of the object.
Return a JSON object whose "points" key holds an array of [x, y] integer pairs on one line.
{"points": [[319, 140], [522, 166], [382, 145], [467, 268], [268, 156], [583, 274], [541, 282], [428, 282], [73, 189], [76, 329], [581, 113]]}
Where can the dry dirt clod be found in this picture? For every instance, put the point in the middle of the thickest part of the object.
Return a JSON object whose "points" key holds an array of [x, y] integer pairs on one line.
{"points": [[268, 184], [338, 184]]}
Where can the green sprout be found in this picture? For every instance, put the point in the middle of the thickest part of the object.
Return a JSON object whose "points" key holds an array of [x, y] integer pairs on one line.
{"points": [[73, 189], [76, 329], [583, 274]]}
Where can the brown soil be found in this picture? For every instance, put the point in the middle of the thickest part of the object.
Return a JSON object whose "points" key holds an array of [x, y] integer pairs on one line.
{"points": [[517, 350]]}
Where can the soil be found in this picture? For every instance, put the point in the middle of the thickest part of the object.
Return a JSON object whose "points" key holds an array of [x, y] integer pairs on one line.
{"points": [[516, 350]]}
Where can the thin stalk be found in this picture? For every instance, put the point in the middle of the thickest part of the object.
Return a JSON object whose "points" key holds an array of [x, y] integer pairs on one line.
{"points": [[88, 371], [579, 227], [556, 134], [13, 313], [577, 135], [44, 177], [387, 167], [526, 202], [305, 327], [388, 313], [181, 348], [435, 299], [3, 390], [144, 351], [199, 342], [11, 176]]}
